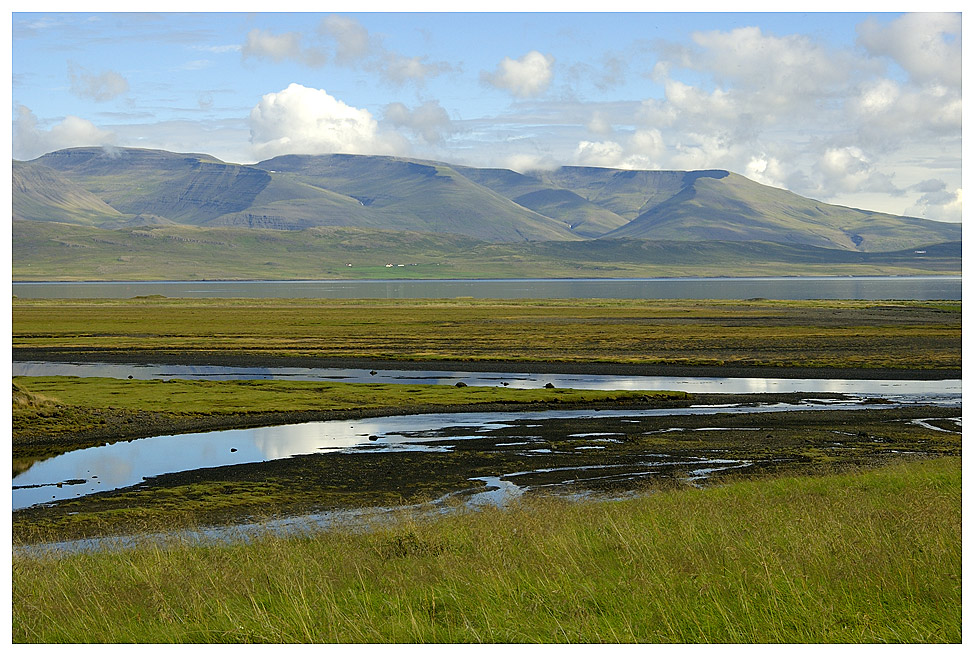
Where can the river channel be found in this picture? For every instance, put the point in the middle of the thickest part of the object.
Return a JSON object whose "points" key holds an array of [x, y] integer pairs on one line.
{"points": [[524, 380]]}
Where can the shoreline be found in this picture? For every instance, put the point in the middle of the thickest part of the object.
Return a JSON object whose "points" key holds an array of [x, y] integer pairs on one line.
{"points": [[88, 355]]}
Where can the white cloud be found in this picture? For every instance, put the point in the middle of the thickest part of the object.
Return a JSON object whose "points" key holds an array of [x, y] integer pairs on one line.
{"points": [[599, 153], [848, 169], [400, 69], [262, 44], [648, 142], [352, 41], [355, 47], [525, 162], [102, 87], [936, 201], [766, 170], [429, 121], [29, 141], [599, 124], [781, 70], [526, 77], [926, 45], [310, 121]]}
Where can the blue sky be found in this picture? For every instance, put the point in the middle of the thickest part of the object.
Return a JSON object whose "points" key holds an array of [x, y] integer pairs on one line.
{"points": [[854, 108]]}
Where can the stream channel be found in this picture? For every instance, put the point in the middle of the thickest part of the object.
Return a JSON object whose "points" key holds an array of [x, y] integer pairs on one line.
{"points": [[122, 464]]}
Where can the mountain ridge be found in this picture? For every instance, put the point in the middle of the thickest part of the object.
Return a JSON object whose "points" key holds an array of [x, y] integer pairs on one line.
{"points": [[123, 187]]}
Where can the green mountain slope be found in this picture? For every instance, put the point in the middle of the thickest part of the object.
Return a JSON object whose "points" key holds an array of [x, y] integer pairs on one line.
{"points": [[626, 193], [40, 193], [405, 194], [188, 188], [585, 218], [51, 251], [726, 206]]}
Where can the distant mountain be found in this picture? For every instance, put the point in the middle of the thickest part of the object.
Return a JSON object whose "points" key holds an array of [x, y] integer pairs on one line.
{"points": [[41, 193], [53, 251], [124, 188]]}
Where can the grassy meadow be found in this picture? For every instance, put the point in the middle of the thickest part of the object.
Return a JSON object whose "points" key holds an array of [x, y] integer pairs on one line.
{"points": [[859, 557], [781, 334]]}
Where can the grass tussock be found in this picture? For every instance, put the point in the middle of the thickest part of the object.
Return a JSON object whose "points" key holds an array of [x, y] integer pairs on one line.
{"points": [[871, 556]]}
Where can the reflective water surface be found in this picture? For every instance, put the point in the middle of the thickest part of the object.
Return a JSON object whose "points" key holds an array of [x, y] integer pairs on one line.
{"points": [[123, 464], [514, 380], [805, 287]]}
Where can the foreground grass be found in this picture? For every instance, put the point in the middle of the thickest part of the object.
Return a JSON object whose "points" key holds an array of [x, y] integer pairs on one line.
{"points": [[863, 557], [831, 334]]}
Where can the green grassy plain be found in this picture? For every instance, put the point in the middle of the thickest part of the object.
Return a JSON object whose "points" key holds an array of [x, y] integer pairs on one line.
{"points": [[861, 557], [831, 334]]}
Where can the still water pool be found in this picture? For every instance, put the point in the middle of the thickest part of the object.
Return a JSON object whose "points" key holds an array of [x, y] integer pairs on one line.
{"points": [[123, 464]]}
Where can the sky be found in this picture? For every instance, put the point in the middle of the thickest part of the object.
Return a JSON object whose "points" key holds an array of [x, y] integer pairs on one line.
{"points": [[857, 109]]}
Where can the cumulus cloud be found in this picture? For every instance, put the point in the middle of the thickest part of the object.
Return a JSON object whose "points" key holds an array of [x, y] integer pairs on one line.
{"points": [[310, 121], [262, 44], [936, 201], [649, 143], [926, 45], [783, 70], [526, 77], [101, 87], [352, 41], [429, 121], [29, 141], [599, 153], [527, 162], [848, 169]]}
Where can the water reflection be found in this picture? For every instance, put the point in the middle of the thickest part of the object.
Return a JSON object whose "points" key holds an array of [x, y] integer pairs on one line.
{"points": [[123, 464], [524, 380]]}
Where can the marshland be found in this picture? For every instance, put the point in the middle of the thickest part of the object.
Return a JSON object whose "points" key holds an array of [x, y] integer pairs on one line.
{"points": [[512, 512]]}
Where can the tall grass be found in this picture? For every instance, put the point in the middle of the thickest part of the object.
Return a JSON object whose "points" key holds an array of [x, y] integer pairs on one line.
{"points": [[862, 557]]}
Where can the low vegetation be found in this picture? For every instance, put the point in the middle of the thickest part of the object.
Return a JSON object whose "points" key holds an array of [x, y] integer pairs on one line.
{"points": [[860, 557], [56, 414], [49, 251], [779, 334]]}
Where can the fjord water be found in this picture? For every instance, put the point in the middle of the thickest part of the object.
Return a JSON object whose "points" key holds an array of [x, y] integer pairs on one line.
{"points": [[920, 288]]}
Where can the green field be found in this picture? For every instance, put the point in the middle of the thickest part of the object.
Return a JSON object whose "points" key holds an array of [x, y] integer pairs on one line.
{"points": [[862, 557], [917, 335]]}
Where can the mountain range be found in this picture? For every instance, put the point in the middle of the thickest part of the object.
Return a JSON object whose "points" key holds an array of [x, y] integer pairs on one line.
{"points": [[127, 189]]}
